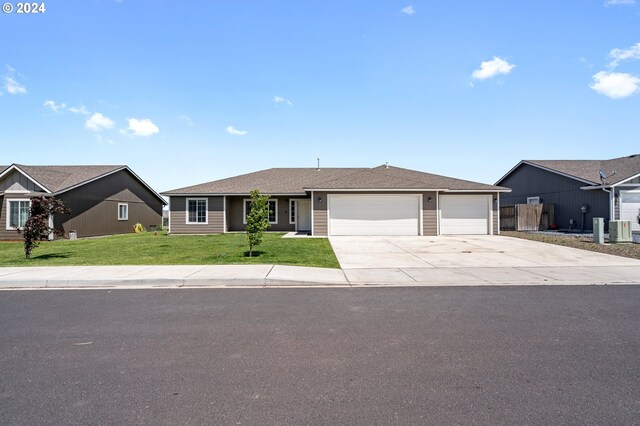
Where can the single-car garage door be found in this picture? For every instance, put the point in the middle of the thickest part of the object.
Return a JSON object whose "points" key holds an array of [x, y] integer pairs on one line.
{"points": [[374, 214], [465, 214]]}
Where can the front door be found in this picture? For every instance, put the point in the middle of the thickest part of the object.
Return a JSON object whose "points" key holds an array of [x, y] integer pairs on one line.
{"points": [[304, 215]]}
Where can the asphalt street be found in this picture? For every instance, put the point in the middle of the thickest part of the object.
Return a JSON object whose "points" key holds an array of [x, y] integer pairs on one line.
{"points": [[508, 355]]}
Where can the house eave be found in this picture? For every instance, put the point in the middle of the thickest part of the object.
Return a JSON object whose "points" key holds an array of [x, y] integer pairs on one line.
{"points": [[15, 167], [229, 194]]}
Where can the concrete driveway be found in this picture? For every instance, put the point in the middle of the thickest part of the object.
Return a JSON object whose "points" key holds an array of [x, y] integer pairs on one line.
{"points": [[475, 260]]}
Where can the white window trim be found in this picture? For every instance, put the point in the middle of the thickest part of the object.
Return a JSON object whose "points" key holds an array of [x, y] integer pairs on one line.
{"points": [[127, 215], [8, 212], [293, 202], [206, 216], [536, 199], [244, 210]]}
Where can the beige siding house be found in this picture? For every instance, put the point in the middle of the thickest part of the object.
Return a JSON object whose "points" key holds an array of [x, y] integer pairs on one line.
{"points": [[103, 200], [383, 200]]}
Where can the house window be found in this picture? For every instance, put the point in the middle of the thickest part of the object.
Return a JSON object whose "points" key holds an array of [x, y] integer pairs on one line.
{"points": [[533, 200], [18, 213], [292, 211], [197, 210], [273, 210], [123, 211]]}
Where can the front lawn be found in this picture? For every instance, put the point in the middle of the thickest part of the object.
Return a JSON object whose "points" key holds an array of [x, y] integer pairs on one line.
{"points": [[147, 249]]}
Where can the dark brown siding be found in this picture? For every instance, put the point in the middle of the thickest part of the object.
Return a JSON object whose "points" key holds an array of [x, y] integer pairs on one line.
{"points": [[94, 206], [178, 217], [4, 233], [22, 181], [563, 192], [235, 212]]}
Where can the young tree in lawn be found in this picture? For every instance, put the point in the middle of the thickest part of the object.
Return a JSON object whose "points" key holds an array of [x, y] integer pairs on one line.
{"points": [[37, 226], [257, 219]]}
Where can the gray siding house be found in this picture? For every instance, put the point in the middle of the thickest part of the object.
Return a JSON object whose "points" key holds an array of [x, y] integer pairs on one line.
{"points": [[383, 200], [103, 200], [572, 184]]}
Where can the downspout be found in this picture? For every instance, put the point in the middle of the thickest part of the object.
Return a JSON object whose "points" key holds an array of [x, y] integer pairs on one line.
{"points": [[612, 210]]}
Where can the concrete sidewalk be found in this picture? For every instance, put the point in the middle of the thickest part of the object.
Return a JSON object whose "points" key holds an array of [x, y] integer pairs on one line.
{"points": [[295, 276]]}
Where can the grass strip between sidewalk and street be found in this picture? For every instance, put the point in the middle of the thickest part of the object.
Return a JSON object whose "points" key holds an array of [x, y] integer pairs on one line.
{"points": [[148, 249]]}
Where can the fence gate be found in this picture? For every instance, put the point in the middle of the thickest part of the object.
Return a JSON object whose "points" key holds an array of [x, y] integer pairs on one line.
{"points": [[526, 217]]}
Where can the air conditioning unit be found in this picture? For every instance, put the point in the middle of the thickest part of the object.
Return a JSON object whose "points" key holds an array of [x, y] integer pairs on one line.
{"points": [[620, 231]]}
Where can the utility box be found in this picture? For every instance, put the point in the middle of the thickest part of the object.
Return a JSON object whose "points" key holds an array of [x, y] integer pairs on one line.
{"points": [[73, 235], [598, 230], [620, 231]]}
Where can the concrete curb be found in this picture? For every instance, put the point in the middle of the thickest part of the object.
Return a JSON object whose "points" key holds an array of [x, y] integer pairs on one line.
{"points": [[278, 276]]}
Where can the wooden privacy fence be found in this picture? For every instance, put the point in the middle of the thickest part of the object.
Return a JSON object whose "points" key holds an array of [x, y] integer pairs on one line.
{"points": [[526, 217]]}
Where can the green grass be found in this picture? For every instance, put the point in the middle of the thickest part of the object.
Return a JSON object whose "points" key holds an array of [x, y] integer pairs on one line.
{"points": [[147, 249]]}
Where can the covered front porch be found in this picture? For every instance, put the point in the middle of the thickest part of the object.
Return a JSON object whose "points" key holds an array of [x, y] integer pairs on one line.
{"points": [[289, 213]]}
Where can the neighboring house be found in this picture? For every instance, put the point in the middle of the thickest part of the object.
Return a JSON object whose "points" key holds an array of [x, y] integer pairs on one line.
{"points": [[383, 200], [104, 200], [572, 184]]}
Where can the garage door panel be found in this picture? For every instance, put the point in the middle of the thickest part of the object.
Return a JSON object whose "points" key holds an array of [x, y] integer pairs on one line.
{"points": [[464, 214], [374, 214]]}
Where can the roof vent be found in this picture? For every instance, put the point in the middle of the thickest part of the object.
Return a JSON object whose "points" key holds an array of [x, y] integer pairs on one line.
{"points": [[318, 168], [386, 165]]}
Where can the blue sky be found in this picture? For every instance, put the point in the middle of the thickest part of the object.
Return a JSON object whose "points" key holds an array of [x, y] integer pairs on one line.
{"points": [[187, 92]]}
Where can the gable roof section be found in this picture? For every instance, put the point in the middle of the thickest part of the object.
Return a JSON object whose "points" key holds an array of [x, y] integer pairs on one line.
{"points": [[296, 181], [588, 171], [59, 179]]}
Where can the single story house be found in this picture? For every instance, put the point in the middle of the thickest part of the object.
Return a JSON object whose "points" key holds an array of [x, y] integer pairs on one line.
{"points": [[383, 200], [604, 188], [103, 200]]}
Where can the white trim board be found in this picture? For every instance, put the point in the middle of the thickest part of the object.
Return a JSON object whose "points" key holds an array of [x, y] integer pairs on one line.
{"points": [[15, 167], [186, 211]]}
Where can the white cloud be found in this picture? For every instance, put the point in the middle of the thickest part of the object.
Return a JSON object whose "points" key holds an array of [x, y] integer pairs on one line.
{"points": [[98, 122], [409, 10], [233, 131], [54, 106], [186, 119], [619, 2], [142, 127], [279, 100], [13, 87], [619, 55], [79, 110], [615, 85], [492, 68]]}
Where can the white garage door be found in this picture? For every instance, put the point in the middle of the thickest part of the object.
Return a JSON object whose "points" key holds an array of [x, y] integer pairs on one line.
{"points": [[464, 214], [374, 214], [630, 207]]}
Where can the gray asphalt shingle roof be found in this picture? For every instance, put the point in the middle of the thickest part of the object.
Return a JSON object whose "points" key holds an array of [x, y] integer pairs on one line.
{"points": [[58, 178], [61, 178], [589, 170], [298, 180]]}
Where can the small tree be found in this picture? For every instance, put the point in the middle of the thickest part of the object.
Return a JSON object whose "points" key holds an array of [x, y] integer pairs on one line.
{"points": [[37, 226], [257, 219]]}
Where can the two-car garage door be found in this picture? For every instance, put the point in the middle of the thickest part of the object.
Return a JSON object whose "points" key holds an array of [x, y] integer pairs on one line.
{"points": [[400, 214], [374, 214]]}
